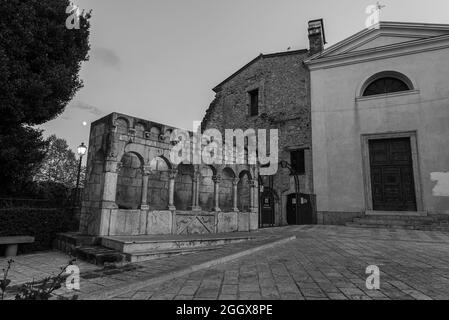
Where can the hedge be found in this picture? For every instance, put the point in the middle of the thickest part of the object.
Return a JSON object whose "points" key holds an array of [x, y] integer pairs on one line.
{"points": [[43, 224]]}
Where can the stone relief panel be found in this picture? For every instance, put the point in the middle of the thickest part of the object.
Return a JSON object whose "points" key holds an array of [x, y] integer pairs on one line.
{"points": [[195, 224]]}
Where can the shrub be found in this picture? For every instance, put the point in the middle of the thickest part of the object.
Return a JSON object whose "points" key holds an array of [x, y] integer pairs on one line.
{"points": [[43, 224]]}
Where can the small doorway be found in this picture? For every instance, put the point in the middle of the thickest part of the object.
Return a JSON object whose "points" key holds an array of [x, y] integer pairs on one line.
{"points": [[267, 209], [305, 209], [392, 179]]}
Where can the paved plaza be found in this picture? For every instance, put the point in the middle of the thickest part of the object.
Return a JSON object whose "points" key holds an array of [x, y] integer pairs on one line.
{"points": [[323, 262]]}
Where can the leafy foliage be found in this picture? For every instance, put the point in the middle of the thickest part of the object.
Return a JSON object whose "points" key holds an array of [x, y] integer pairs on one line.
{"points": [[39, 64], [43, 290], [60, 164], [21, 151], [40, 59], [36, 290], [43, 224], [4, 283]]}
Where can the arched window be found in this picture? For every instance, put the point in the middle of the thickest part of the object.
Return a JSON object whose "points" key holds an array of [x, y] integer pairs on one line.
{"points": [[386, 82]]}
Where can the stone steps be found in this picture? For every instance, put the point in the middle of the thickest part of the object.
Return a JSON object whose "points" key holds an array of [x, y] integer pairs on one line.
{"points": [[383, 226], [409, 222], [151, 255], [125, 249], [138, 244], [98, 255], [398, 218]]}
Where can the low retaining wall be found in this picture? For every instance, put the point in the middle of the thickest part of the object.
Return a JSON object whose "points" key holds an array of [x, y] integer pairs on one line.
{"points": [[145, 222]]}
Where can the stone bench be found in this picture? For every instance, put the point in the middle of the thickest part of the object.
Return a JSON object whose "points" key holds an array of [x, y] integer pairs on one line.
{"points": [[13, 242]]}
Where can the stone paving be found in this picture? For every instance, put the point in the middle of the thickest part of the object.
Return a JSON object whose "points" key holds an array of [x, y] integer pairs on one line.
{"points": [[324, 262], [99, 282], [37, 266]]}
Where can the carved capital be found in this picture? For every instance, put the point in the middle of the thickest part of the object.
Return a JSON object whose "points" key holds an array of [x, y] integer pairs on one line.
{"points": [[172, 173], [146, 170], [235, 181], [216, 179], [112, 166], [196, 176]]}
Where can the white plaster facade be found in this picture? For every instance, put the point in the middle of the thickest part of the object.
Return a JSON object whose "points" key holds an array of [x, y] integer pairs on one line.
{"points": [[343, 120]]}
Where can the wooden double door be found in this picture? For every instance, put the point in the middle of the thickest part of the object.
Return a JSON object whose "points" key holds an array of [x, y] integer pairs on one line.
{"points": [[392, 180], [299, 211]]}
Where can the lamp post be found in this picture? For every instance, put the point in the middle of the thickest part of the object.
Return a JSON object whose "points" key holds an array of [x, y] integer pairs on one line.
{"points": [[285, 165], [82, 149]]}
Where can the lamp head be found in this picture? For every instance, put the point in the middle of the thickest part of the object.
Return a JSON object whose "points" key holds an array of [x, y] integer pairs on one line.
{"points": [[82, 149]]}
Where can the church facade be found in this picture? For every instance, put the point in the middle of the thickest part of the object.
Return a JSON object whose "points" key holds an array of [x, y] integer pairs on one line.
{"points": [[380, 111]]}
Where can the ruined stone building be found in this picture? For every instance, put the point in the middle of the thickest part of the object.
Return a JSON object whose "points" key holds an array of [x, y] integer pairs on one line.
{"points": [[132, 187], [273, 92]]}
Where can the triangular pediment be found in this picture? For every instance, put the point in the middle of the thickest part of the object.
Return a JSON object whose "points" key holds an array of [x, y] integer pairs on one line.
{"points": [[385, 35]]}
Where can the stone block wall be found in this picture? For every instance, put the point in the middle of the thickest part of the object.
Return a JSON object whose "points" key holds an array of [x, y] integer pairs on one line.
{"points": [[284, 104]]}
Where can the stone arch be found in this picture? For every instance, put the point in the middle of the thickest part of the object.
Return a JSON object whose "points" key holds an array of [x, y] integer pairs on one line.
{"points": [[206, 187], [244, 190], [140, 128], [122, 125], [134, 148], [184, 186], [156, 131], [226, 189], [246, 172], [158, 183], [160, 159], [129, 181], [385, 74]]}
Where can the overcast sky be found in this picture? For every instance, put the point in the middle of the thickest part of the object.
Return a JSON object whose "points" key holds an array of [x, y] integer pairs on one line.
{"points": [[160, 59]]}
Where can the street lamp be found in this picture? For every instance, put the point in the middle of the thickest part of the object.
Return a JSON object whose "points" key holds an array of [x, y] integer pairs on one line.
{"points": [[82, 149], [285, 165]]}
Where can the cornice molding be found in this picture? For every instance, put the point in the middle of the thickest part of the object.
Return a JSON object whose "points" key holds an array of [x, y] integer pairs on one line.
{"points": [[390, 29], [390, 51]]}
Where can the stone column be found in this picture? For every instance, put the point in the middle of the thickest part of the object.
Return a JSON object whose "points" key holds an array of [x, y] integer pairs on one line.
{"points": [[197, 191], [146, 171], [252, 196], [100, 225], [216, 180], [112, 168], [171, 189], [235, 183], [253, 215]]}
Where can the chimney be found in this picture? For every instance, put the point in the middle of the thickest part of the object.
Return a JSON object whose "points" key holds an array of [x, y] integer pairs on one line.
{"points": [[317, 39]]}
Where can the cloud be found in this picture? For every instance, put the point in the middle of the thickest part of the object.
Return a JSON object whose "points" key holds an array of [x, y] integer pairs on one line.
{"points": [[107, 57], [87, 107]]}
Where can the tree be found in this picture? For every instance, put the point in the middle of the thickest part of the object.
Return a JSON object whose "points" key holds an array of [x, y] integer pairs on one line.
{"points": [[40, 59], [60, 164], [22, 149]]}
